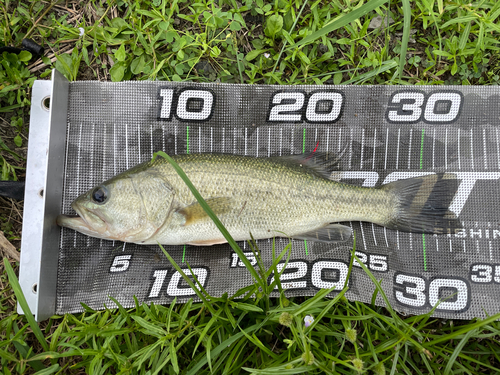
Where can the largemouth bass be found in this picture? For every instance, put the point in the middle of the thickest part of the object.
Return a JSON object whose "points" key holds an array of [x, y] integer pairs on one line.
{"points": [[278, 196]]}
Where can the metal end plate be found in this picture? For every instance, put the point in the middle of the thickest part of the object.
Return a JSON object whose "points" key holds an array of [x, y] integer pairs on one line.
{"points": [[43, 195]]}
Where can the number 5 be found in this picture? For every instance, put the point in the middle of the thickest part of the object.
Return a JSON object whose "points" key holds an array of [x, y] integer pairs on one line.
{"points": [[120, 263]]}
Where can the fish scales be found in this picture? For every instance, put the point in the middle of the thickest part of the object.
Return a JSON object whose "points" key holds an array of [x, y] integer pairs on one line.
{"points": [[267, 197]]}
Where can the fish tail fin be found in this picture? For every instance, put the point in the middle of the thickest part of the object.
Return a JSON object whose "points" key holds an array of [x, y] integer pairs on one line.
{"points": [[423, 204]]}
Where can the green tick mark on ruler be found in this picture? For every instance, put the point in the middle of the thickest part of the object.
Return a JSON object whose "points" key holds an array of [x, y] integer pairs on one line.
{"points": [[304, 141]]}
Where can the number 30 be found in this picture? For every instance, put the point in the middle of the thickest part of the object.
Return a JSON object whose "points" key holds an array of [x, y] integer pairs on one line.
{"points": [[409, 107]]}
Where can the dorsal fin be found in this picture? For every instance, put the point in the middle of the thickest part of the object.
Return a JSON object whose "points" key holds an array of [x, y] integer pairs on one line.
{"points": [[321, 164]]}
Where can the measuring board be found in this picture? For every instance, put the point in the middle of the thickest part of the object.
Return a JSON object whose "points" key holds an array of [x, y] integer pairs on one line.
{"points": [[386, 133]]}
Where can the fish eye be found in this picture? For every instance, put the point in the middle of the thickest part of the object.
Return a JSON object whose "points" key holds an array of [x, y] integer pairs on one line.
{"points": [[100, 194]]}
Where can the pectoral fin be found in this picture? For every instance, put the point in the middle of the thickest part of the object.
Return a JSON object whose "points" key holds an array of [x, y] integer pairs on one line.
{"points": [[330, 233], [195, 213]]}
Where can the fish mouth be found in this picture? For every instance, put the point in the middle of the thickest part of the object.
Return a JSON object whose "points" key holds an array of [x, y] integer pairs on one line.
{"points": [[86, 222]]}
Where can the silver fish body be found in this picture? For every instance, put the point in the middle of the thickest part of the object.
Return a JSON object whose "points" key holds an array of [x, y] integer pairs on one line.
{"points": [[267, 197]]}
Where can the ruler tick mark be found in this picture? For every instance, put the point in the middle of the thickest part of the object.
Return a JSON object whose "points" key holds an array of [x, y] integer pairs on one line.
{"points": [[126, 146], [386, 145], [327, 138], [257, 143], [498, 149], [114, 149], [362, 148], [350, 150], [484, 149], [281, 139], [409, 148], [471, 149], [433, 146], [234, 141], [139, 142], [374, 237], [269, 142], [446, 149], [224, 139], [397, 152], [340, 137], [363, 235]]}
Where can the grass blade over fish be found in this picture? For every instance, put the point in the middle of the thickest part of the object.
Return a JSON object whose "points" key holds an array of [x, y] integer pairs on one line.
{"points": [[267, 197]]}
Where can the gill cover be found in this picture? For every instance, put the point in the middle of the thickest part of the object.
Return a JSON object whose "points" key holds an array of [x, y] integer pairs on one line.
{"points": [[156, 195]]}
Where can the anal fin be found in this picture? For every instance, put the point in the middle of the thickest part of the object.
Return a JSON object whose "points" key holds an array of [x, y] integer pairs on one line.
{"points": [[207, 242], [330, 233]]}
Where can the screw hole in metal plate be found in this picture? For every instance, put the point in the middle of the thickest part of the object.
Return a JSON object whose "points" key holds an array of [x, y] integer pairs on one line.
{"points": [[46, 103], [34, 288], [40, 193]]}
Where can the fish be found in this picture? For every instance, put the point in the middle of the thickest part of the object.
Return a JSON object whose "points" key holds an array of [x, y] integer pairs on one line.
{"points": [[294, 196]]}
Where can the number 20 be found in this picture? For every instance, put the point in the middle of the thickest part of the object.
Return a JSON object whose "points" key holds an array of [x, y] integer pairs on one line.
{"points": [[296, 106]]}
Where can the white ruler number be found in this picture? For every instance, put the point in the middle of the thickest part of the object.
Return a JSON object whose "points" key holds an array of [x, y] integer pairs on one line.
{"points": [[451, 102], [452, 294], [409, 108], [180, 104], [301, 272], [284, 112], [173, 288], [167, 96], [435, 108], [338, 269], [323, 106], [204, 113], [120, 263]]}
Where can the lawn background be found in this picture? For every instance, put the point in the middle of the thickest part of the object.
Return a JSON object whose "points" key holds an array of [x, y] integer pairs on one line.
{"points": [[431, 42]]}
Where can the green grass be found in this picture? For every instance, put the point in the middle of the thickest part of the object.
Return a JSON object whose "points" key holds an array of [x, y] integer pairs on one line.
{"points": [[257, 334], [254, 42]]}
